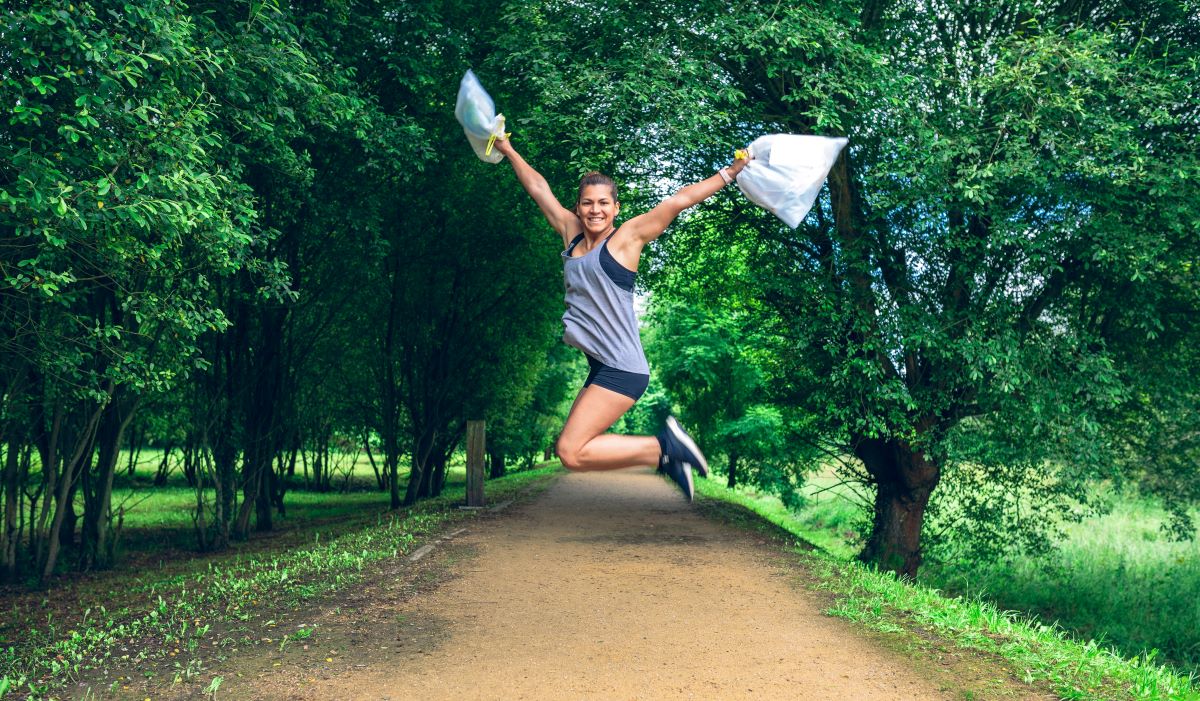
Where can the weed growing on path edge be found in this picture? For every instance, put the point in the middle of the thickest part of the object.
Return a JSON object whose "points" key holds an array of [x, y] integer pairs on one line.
{"points": [[1040, 652], [211, 606]]}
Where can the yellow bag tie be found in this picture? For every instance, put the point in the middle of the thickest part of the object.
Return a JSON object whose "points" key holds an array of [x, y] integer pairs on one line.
{"points": [[492, 139], [741, 155]]}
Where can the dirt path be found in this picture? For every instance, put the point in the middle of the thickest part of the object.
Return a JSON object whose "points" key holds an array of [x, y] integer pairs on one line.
{"points": [[607, 586]]}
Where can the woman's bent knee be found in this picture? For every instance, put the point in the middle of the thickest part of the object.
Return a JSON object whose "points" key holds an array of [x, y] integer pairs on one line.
{"points": [[568, 455]]}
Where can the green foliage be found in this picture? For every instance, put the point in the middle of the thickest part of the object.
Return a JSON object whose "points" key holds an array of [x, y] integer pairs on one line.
{"points": [[701, 357], [524, 426], [1014, 215], [708, 364], [228, 187], [109, 193], [1116, 578]]}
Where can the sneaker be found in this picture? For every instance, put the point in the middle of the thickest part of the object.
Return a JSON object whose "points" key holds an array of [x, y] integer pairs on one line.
{"points": [[679, 446], [680, 473]]}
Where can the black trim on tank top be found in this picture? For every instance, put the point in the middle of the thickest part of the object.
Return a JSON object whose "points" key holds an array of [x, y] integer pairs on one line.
{"points": [[574, 242], [620, 275]]}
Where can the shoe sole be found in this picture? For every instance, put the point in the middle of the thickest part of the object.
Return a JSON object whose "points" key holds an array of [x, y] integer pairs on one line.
{"points": [[682, 436], [691, 488]]}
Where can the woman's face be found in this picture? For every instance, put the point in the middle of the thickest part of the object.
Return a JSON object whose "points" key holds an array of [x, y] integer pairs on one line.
{"points": [[597, 209]]}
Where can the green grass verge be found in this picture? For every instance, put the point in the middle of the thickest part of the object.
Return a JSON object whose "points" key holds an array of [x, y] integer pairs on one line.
{"points": [[1116, 577], [1040, 653], [209, 604], [827, 524]]}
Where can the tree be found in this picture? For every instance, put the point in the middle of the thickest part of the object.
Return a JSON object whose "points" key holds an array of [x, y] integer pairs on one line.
{"points": [[702, 357], [108, 195], [314, 146], [1018, 176]]}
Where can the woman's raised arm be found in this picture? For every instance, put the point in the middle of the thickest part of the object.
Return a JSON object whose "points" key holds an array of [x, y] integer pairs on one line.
{"points": [[564, 221], [650, 225], [642, 229]]}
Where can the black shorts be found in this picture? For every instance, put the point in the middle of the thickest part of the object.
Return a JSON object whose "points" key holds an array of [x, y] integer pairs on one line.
{"points": [[630, 384]]}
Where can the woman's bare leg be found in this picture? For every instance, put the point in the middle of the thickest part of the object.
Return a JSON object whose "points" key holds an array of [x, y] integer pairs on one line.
{"points": [[583, 445]]}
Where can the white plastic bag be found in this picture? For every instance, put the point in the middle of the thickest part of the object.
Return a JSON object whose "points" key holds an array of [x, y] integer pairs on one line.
{"points": [[787, 171], [476, 113]]}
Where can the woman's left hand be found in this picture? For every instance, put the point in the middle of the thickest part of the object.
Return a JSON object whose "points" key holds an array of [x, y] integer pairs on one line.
{"points": [[739, 163]]}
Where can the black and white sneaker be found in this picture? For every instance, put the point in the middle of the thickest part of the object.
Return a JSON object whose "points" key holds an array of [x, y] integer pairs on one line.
{"points": [[680, 473], [678, 445]]}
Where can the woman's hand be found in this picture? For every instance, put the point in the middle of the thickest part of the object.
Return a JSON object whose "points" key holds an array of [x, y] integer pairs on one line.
{"points": [[503, 145], [736, 167]]}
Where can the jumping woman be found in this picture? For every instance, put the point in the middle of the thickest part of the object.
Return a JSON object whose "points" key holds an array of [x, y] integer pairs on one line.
{"points": [[600, 264]]}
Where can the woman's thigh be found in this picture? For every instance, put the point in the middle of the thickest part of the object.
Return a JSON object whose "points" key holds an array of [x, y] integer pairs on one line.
{"points": [[595, 410]]}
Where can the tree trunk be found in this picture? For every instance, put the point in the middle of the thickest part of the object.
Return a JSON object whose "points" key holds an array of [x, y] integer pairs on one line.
{"points": [[136, 438], [326, 459], [392, 465], [12, 507], [190, 460], [66, 530], [263, 514], [280, 484], [905, 478], [223, 475], [496, 457], [164, 466], [427, 474], [25, 516], [47, 442], [389, 428], [733, 464], [61, 499], [423, 448], [437, 476], [258, 471], [97, 551], [318, 466], [380, 477], [204, 537]]}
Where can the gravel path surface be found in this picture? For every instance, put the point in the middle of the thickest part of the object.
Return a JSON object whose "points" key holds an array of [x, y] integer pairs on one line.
{"points": [[611, 586]]}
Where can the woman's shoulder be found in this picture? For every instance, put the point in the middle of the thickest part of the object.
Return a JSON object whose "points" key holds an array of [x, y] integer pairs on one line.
{"points": [[625, 246], [572, 243]]}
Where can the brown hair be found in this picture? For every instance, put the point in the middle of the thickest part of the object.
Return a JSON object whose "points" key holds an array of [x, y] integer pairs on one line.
{"points": [[596, 178]]}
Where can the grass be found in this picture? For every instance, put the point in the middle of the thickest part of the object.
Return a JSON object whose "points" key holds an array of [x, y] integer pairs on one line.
{"points": [[171, 505], [168, 614], [157, 521], [828, 520], [1045, 653], [1116, 578]]}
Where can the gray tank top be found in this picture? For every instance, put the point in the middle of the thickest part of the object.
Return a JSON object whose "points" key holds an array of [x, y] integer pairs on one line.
{"points": [[600, 320]]}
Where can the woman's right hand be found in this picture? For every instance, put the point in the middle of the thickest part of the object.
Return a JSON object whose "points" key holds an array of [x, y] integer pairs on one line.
{"points": [[503, 145]]}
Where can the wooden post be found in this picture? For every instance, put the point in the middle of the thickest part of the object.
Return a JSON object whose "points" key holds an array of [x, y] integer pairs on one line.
{"points": [[476, 449]]}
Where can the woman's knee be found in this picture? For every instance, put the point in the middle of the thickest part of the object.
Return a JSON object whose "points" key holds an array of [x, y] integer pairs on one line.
{"points": [[568, 454]]}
